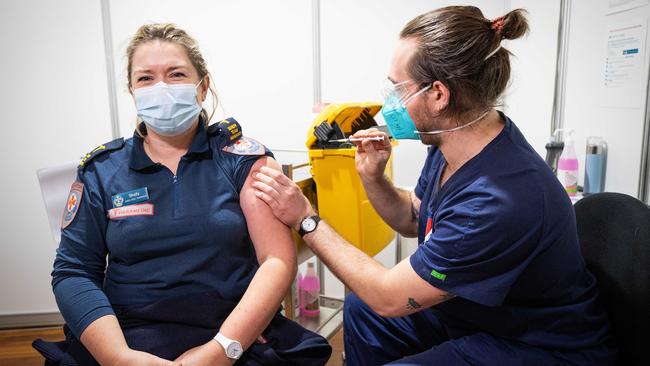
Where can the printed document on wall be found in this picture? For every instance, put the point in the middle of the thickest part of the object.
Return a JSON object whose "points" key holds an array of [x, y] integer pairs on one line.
{"points": [[625, 77], [617, 6]]}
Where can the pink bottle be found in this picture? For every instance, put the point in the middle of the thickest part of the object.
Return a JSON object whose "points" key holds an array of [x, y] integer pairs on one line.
{"points": [[309, 292]]}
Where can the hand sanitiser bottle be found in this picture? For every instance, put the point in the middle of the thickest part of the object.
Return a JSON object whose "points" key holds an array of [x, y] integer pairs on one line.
{"points": [[310, 292], [567, 166]]}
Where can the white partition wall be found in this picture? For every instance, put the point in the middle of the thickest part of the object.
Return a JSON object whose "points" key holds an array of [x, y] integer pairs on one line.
{"points": [[54, 110], [529, 98], [259, 53]]}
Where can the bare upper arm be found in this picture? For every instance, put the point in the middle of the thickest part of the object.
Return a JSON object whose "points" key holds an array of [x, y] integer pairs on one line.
{"points": [[271, 238]]}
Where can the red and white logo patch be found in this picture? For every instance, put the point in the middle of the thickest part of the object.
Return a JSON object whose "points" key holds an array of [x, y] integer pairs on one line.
{"points": [[143, 209], [429, 229], [245, 146], [72, 204]]}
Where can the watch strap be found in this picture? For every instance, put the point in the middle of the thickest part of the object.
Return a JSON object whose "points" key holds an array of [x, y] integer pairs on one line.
{"points": [[302, 231], [225, 342]]}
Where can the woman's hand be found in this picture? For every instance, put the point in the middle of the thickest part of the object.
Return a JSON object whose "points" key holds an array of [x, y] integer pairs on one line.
{"points": [[210, 354], [372, 156], [137, 358]]}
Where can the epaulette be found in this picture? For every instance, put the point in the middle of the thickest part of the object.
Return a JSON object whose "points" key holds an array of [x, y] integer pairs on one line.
{"points": [[101, 149], [229, 128], [232, 139]]}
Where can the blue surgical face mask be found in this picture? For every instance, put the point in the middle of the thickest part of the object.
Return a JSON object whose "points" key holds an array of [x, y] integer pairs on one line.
{"points": [[168, 109], [397, 118]]}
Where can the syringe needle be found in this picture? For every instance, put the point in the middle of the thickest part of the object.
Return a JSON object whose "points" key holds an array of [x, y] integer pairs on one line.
{"points": [[355, 139]]}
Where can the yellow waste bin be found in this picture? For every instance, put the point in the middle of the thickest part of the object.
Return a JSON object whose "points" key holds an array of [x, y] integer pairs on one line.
{"points": [[342, 200]]}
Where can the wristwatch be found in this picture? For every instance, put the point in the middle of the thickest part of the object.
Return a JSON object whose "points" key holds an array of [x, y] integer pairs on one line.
{"points": [[308, 224], [233, 348]]}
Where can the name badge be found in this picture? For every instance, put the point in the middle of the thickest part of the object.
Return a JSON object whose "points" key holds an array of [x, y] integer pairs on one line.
{"points": [[143, 209], [130, 197]]}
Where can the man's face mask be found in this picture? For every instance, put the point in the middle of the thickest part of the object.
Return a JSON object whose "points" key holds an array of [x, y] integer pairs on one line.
{"points": [[168, 109], [399, 121], [397, 118]]}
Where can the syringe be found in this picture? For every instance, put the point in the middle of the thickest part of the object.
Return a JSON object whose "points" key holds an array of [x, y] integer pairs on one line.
{"points": [[355, 139]]}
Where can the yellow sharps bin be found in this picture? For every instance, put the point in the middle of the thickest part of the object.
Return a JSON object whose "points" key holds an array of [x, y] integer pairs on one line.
{"points": [[342, 200]]}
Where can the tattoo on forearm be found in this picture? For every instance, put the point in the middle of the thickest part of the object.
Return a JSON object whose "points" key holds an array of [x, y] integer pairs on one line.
{"points": [[412, 304]]}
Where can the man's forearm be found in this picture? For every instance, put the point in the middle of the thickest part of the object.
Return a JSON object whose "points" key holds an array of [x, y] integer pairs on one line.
{"points": [[394, 205], [360, 273]]}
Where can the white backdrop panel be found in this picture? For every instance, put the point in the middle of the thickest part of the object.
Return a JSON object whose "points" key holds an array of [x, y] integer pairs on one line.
{"points": [[54, 110], [529, 98], [259, 53]]}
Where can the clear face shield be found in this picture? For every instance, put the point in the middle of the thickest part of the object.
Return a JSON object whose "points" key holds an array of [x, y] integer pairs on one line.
{"points": [[399, 91], [397, 118]]}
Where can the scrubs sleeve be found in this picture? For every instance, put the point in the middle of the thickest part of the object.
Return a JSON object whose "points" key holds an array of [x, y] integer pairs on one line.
{"points": [[80, 261], [479, 244]]}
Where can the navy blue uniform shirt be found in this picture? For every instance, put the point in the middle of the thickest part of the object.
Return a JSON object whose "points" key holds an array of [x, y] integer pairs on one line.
{"points": [[136, 233], [501, 235]]}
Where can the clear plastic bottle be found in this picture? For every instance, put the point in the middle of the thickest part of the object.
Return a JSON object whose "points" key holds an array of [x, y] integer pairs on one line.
{"points": [[309, 289], [567, 166]]}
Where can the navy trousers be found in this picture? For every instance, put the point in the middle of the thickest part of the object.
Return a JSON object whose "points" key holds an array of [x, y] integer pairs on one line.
{"points": [[169, 327], [422, 339]]}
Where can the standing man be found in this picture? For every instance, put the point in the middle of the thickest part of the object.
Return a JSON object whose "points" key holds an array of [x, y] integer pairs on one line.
{"points": [[498, 277]]}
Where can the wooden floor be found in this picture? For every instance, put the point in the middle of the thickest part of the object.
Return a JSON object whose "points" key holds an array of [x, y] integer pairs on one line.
{"points": [[16, 346], [337, 349]]}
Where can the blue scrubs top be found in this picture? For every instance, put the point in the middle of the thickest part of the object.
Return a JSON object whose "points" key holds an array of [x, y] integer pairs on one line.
{"points": [[501, 236], [135, 233]]}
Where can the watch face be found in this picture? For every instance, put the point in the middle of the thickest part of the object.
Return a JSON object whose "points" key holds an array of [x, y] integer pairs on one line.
{"points": [[234, 350], [308, 224]]}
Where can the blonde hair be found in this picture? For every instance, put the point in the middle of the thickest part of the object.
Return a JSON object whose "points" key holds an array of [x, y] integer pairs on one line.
{"points": [[456, 45], [168, 32]]}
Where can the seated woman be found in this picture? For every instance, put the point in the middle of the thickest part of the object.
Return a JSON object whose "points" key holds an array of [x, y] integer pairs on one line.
{"points": [[166, 254]]}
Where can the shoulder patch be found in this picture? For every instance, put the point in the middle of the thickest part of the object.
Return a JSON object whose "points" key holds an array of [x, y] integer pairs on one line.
{"points": [[113, 145], [245, 146], [229, 128], [72, 204]]}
